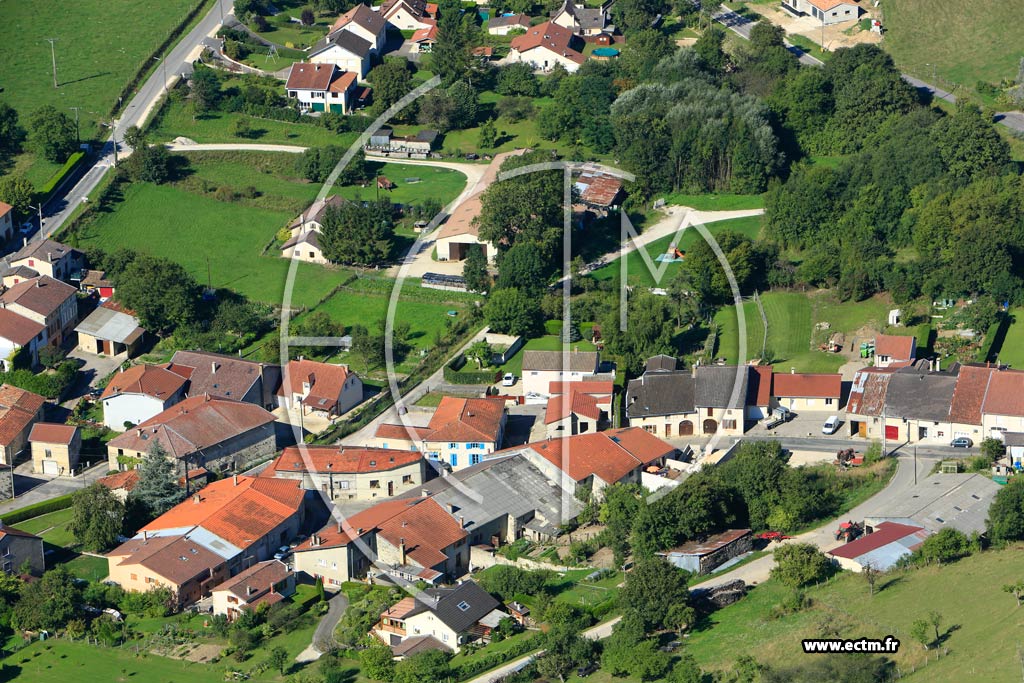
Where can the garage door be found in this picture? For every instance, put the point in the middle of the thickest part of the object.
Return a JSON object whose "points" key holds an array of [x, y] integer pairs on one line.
{"points": [[51, 467], [892, 432]]}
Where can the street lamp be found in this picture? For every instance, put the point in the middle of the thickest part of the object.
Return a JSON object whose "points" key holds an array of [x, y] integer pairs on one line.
{"points": [[40, 210], [163, 64]]}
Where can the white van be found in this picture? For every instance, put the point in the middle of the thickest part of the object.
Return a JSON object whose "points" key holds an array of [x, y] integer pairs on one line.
{"points": [[831, 425]]}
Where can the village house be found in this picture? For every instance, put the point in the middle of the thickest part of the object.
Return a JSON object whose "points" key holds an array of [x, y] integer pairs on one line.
{"points": [[721, 405], [304, 244], [583, 20], [16, 333], [321, 87], [461, 432], [350, 472], [409, 15], [917, 404], [49, 258], [19, 410], [541, 368], [55, 448], [120, 483], [593, 461], [320, 388], [423, 39], [219, 531], [440, 619], [19, 548], [880, 550], [574, 413], [661, 402], [503, 25], [228, 377], [348, 51], [6, 221], [704, 556], [460, 233], [264, 583], [1002, 407], [365, 23], [110, 331], [965, 416], [138, 394], [47, 301], [894, 350], [215, 433], [413, 539], [828, 12], [866, 404], [807, 392], [545, 45]]}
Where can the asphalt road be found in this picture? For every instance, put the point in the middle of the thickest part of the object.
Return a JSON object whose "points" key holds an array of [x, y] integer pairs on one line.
{"points": [[1014, 120], [323, 637], [57, 211]]}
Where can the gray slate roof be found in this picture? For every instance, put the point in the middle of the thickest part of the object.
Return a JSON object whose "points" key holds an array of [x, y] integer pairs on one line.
{"points": [[921, 396], [660, 393], [346, 40], [661, 363], [715, 383], [459, 607], [579, 361]]}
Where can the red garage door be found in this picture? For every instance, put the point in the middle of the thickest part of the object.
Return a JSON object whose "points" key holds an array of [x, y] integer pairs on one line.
{"points": [[892, 432]]}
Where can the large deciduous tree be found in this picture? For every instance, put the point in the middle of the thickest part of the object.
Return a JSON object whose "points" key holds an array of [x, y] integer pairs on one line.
{"points": [[357, 234], [52, 133], [97, 517]]}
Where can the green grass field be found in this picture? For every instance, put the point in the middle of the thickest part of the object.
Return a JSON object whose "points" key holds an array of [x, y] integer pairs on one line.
{"points": [[637, 270], [977, 616], [442, 184], [201, 232], [51, 527], [967, 43], [175, 120], [716, 202], [1012, 350]]}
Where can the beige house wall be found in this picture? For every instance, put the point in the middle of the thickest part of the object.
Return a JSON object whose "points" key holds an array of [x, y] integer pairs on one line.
{"points": [[66, 455]]}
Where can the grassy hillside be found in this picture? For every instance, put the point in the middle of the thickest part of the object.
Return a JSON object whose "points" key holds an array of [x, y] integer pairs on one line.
{"points": [[982, 625], [967, 42]]}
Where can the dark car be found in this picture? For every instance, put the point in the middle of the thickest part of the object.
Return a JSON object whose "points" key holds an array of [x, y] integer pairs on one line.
{"points": [[585, 671], [961, 442]]}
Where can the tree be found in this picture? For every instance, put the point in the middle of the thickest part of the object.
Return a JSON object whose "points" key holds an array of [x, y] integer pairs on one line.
{"points": [[799, 564], [278, 658], [48, 603], [757, 471], [946, 546], [513, 311], [1016, 590], [161, 292], [969, 144], [148, 164], [17, 191], [650, 326], [1006, 515], [52, 133], [205, 88], [465, 104], [307, 18], [450, 55], [378, 662], [526, 207], [488, 135], [157, 490], [709, 48], [96, 517], [481, 352], [935, 620], [921, 632], [643, 659], [522, 266], [651, 47], [474, 269], [391, 80], [870, 576], [357, 234], [564, 649], [992, 449], [11, 133], [517, 79], [317, 324], [431, 665], [651, 589]]}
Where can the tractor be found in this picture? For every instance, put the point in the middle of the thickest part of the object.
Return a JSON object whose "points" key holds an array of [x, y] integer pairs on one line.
{"points": [[849, 531]]}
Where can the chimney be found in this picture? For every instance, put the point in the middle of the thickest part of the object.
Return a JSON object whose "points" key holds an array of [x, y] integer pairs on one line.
{"points": [[196, 499], [693, 370], [39, 282], [145, 535], [462, 522], [792, 371], [138, 432], [235, 480], [213, 367], [401, 549]]}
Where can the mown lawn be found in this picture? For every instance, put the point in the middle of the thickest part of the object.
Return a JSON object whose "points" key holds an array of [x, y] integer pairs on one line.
{"points": [[982, 40], [175, 120], [1012, 350], [209, 237], [51, 527], [977, 618], [638, 272], [715, 202], [442, 184]]}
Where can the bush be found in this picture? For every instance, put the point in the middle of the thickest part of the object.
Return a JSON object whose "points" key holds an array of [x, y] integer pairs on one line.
{"points": [[37, 509], [58, 177], [454, 374]]}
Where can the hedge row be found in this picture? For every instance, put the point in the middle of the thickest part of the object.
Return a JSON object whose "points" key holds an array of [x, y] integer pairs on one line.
{"points": [[37, 509], [454, 374], [148, 62], [475, 667], [58, 177]]}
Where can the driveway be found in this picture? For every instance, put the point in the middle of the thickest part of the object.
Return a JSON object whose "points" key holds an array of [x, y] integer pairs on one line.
{"points": [[94, 369], [35, 488], [323, 637]]}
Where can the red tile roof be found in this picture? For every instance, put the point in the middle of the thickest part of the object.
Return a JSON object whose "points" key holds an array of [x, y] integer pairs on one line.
{"points": [[148, 380], [578, 402], [323, 459], [825, 5], [126, 480], [11, 531], [310, 76], [466, 419], [193, 424], [18, 409], [256, 580], [175, 558], [49, 432], [326, 382], [969, 394], [1005, 395], [5, 208], [428, 34], [598, 388], [551, 36], [885, 533], [18, 328], [896, 347], [806, 385], [609, 455], [42, 295], [400, 432], [343, 81], [759, 385], [241, 513]]}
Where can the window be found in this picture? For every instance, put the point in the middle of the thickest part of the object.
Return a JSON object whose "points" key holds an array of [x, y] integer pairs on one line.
{"points": [[135, 577], [711, 412], [454, 459], [375, 483], [342, 484], [474, 458], [453, 445], [728, 424], [828, 401], [464, 606], [407, 479], [322, 562]]}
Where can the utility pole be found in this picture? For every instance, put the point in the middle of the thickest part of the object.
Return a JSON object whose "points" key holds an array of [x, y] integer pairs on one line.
{"points": [[163, 64], [53, 58], [78, 138], [40, 210], [915, 465]]}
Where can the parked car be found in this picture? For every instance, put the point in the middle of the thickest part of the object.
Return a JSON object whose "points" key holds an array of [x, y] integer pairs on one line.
{"points": [[585, 671], [831, 425], [508, 380], [282, 552], [961, 442]]}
